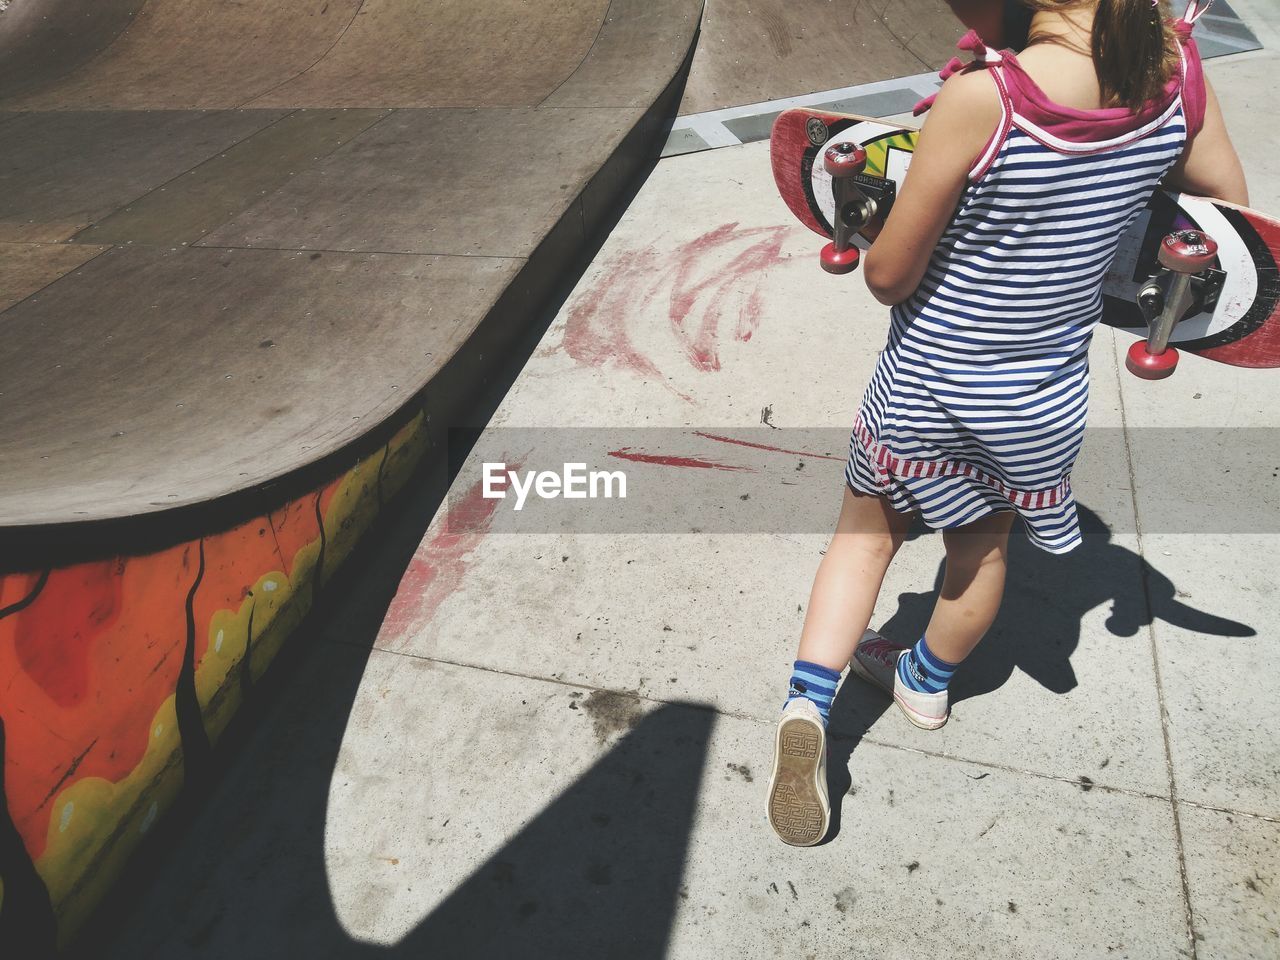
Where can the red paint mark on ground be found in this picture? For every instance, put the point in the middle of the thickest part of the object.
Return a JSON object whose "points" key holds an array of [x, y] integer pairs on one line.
{"points": [[597, 330], [700, 337], [703, 282], [765, 446], [438, 567], [665, 460]]}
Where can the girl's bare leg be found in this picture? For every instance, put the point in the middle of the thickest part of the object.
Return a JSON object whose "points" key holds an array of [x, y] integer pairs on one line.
{"points": [[977, 557], [868, 534]]}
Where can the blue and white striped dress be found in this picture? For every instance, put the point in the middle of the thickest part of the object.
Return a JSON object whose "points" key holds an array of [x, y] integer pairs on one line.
{"points": [[979, 399]]}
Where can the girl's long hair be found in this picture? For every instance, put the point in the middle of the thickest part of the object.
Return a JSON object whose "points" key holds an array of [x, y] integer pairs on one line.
{"points": [[1134, 47]]}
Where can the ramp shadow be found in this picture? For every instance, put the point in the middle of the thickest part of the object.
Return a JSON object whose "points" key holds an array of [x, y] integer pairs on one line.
{"points": [[598, 873], [240, 870], [243, 872]]}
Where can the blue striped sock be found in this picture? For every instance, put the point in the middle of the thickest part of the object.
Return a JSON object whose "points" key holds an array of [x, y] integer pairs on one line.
{"points": [[814, 682], [923, 670]]}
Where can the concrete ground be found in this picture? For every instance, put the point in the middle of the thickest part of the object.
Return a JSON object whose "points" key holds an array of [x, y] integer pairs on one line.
{"points": [[554, 742]]}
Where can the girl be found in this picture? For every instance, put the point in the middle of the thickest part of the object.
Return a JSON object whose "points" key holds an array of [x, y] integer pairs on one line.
{"points": [[1029, 171]]}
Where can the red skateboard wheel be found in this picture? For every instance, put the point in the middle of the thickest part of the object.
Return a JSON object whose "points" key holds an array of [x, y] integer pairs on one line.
{"points": [[843, 262], [1188, 251], [844, 159], [1150, 366]]}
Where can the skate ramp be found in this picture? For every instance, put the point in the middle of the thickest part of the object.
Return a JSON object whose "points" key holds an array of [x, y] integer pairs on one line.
{"points": [[757, 50], [192, 54], [239, 237], [254, 258], [41, 40]]}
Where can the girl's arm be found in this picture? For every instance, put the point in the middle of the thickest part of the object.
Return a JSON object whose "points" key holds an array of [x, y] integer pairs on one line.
{"points": [[958, 128], [1209, 166]]}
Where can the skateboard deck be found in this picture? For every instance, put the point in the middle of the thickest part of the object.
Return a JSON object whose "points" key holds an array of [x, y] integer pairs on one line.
{"points": [[1238, 324]]}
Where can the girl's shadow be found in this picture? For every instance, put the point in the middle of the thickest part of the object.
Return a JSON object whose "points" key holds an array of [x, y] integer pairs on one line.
{"points": [[1046, 598]]}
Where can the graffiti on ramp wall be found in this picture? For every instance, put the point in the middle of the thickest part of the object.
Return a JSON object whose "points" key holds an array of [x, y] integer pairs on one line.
{"points": [[118, 676]]}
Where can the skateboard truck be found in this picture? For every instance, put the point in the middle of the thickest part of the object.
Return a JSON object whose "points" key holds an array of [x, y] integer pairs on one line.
{"points": [[1186, 278], [854, 209]]}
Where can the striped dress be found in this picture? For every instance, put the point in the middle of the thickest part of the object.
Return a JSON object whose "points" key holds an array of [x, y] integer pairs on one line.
{"points": [[979, 399]]}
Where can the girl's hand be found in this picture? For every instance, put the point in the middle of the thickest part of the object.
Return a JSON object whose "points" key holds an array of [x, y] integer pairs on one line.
{"points": [[958, 128]]}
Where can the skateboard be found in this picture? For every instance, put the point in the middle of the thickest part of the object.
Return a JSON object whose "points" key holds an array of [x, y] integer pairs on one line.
{"points": [[1195, 272]]}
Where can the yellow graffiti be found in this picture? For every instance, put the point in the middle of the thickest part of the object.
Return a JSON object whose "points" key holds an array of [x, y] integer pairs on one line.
{"points": [[96, 824]]}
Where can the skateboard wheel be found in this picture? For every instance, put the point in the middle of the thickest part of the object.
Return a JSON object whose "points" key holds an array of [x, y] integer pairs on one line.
{"points": [[845, 261], [1150, 366], [844, 159], [1188, 251]]}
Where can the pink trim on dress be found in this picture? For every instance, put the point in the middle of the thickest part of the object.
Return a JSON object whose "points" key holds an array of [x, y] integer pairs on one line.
{"points": [[1079, 126], [887, 465], [1194, 95], [1022, 96], [991, 150]]}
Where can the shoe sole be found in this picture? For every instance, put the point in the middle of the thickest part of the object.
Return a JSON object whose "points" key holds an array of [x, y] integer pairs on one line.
{"points": [[916, 718], [919, 719], [796, 811]]}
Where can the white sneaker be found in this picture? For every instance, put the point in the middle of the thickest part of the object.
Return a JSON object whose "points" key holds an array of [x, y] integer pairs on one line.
{"points": [[876, 660], [799, 811]]}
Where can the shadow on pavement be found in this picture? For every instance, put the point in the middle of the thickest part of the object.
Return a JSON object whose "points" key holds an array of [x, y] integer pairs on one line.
{"points": [[241, 871], [596, 873], [1037, 630]]}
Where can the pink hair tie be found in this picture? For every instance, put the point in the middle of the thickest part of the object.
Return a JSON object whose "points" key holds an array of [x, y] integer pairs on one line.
{"points": [[954, 65], [973, 43], [923, 105]]}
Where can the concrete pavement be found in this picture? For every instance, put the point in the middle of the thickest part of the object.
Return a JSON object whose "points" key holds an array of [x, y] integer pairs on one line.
{"points": [[555, 743]]}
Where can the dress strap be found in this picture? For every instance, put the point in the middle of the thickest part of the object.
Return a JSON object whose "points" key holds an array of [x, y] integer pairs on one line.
{"points": [[984, 58], [1194, 95], [1195, 10]]}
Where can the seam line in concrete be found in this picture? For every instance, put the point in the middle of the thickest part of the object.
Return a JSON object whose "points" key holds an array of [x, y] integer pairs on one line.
{"points": [[50, 243], [1265, 818], [1155, 667], [738, 715], [345, 253], [874, 741], [311, 66], [902, 43], [107, 249], [222, 154], [178, 176], [604, 22]]}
